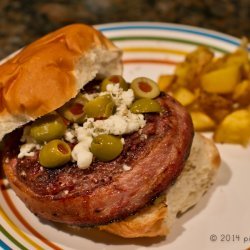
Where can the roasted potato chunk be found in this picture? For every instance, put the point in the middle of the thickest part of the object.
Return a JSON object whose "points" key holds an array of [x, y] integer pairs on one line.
{"points": [[184, 96], [165, 82], [201, 121], [216, 106], [221, 81], [239, 57], [235, 128], [242, 93]]}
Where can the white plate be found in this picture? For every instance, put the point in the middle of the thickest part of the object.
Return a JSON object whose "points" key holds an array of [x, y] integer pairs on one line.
{"points": [[220, 221]]}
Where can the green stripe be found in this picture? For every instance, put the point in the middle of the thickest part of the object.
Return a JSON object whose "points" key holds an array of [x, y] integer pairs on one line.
{"points": [[176, 40], [18, 244]]}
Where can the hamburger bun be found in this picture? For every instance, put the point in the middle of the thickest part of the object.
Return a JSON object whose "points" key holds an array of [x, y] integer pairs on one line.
{"points": [[52, 70]]}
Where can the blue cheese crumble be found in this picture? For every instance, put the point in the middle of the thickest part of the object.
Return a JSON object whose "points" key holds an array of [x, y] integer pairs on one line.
{"points": [[120, 123]]}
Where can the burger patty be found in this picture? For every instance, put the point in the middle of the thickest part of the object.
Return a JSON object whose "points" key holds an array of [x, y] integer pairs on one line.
{"points": [[151, 160]]}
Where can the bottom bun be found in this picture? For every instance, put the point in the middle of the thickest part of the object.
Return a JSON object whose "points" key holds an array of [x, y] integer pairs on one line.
{"points": [[195, 179]]}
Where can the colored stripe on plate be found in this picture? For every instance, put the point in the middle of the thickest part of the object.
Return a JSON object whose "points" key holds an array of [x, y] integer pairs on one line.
{"points": [[23, 221], [159, 38], [17, 230], [3, 246], [187, 29], [11, 238]]}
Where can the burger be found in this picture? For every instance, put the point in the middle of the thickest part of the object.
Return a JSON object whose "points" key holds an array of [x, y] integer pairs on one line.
{"points": [[85, 148]]}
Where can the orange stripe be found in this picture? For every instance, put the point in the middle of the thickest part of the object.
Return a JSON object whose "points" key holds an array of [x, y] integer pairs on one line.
{"points": [[23, 221], [154, 61]]}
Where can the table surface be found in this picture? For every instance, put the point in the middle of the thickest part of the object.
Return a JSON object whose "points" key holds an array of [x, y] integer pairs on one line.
{"points": [[21, 22]]}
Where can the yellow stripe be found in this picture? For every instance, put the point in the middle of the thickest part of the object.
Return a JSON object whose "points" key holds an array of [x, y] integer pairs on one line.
{"points": [[150, 49], [17, 230]]}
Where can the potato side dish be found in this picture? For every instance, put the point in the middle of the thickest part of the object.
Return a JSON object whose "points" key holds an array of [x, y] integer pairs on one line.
{"points": [[216, 92]]}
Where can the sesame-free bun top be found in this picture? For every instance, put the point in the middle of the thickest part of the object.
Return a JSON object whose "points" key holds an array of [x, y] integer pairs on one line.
{"points": [[49, 72]]}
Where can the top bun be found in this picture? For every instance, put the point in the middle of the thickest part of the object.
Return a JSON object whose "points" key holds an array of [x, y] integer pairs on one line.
{"points": [[49, 72]]}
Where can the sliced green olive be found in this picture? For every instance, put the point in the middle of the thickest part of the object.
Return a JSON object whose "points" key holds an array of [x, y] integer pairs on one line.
{"points": [[106, 147], [54, 154], [144, 87], [100, 107], [74, 110], [145, 105], [47, 128], [114, 79]]}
